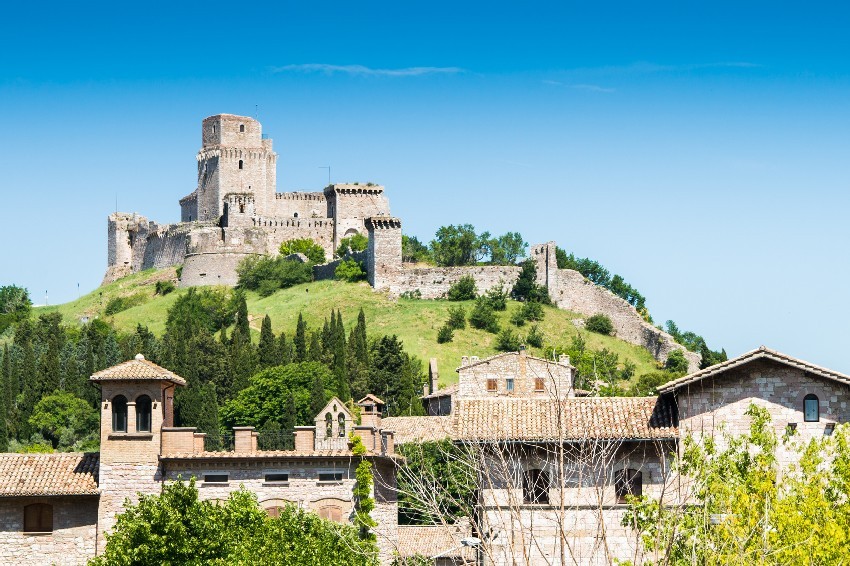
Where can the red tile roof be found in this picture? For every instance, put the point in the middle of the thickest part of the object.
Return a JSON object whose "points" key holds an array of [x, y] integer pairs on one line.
{"points": [[70, 473], [433, 540], [138, 369]]}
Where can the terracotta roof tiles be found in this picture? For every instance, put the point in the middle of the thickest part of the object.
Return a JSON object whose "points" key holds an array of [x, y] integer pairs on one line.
{"points": [[418, 429], [69, 473], [138, 369]]}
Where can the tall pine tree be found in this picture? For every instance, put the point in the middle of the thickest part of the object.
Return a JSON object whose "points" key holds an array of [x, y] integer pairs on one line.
{"points": [[300, 340], [267, 348], [4, 402]]}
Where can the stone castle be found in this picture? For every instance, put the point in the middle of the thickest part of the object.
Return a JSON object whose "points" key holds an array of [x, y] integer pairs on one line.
{"points": [[235, 212]]}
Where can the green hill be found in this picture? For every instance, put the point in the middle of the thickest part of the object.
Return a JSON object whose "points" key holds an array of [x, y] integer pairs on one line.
{"points": [[414, 321]]}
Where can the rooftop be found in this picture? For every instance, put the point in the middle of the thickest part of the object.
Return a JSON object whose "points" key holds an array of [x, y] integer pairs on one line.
{"points": [[418, 429], [138, 369], [70, 473], [433, 540]]}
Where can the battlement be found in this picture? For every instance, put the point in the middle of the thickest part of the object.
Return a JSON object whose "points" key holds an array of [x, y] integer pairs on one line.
{"points": [[319, 197], [355, 189], [383, 223], [293, 222], [233, 130]]}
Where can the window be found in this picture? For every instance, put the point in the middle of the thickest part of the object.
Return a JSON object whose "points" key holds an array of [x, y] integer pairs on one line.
{"points": [[119, 414], [330, 477], [535, 487], [627, 482], [329, 425], [143, 414], [491, 385], [538, 384], [216, 478], [341, 420], [330, 513], [295, 215], [240, 164], [38, 518], [811, 408], [241, 128], [274, 511], [277, 477], [509, 385]]}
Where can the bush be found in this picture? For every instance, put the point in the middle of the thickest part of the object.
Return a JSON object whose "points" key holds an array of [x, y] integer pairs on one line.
{"points": [[266, 275], [355, 243], [526, 287], [350, 270], [118, 304], [415, 294], [179, 271], [463, 290], [532, 311], [483, 317], [498, 297], [518, 318], [600, 324], [445, 334], [457, 318], [306, 246], [676, 362], [507, 341], [164, 287], [535, 337], [268, 287]]}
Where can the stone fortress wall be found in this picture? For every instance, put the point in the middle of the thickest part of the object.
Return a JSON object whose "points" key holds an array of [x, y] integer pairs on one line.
{"points": [[235, 212]]}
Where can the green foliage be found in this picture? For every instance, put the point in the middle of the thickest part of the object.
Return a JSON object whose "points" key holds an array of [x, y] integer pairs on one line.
{"points": [[67, 421], [266, 396], [483, 317], [535, 337], [364, 503], [268, 274], [118, 304], [532, 311], [179, 271], [414, 251], [507, 341], [175, 527], [695, 343], [164, 287], [396, 376], [445, 334], [415, 294], [594, 271], [457, 317], [314, 252], [350, 270], [526, 287], [457, 245], [15, 305], [518, 318], [600, 324], [498, 297], [746, 507], [506, 249], [463, 289], [676, 363], [355, 243], [435, 484], [647, 384]]}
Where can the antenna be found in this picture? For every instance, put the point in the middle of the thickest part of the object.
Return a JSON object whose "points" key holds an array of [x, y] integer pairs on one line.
{"points": [[256, 112], [116, 203], [329, 173]]}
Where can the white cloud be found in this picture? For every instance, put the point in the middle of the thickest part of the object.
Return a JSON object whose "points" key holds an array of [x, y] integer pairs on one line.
{"points": [[592, 88], [362, 70]]}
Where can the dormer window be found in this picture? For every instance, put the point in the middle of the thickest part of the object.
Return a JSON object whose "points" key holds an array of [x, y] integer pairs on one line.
{"points": [[119, 414], [811, 408]]}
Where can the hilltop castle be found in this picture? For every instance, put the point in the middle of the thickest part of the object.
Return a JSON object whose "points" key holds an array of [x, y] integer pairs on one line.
{"points": [[235, 211]]}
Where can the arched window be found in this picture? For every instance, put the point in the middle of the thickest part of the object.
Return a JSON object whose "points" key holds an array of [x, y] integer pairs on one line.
{"points": [[329, 425], [535, 486], [295, 215], [119, 414], [811, 408], [38, 518], [241, 128], [143, 414], [341, 420], [627, 482], [241, 163], [242, 208]]}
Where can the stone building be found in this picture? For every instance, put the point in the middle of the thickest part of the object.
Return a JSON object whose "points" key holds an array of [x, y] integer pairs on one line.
{"points": [[554, 469], [55, 508]]}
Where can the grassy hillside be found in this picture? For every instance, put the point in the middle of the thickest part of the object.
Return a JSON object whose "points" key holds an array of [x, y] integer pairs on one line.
{"points": [[415, 321]]}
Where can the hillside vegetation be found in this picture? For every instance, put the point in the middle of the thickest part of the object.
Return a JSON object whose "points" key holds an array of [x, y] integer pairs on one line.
{"points": [[414, 321]]}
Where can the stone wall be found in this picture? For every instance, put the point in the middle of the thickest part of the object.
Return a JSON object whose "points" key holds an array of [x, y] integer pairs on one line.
{"points": [[166, 246], [328, 270], [350, 205], [72, 541], [434, 282], [570, 290], [524, 370], [299, 205]]}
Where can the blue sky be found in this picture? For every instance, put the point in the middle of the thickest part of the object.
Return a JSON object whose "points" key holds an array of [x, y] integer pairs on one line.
{"points": [[701, 151]]}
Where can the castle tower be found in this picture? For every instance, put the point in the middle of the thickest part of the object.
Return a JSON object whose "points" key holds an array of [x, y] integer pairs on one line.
{"points": [[126, 241], [234, 158], [137, 401], [350, 205], [384, 257]]}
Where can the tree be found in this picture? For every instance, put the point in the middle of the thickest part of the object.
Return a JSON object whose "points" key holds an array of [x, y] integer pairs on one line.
{"points": [[354, 243], [5, 401], [507, 341], [363, 501], [507, 249], [66, 421], [350, 270], [445, 334], [526, 287], [314, 252], [300, 340], [15, 305], [414, 251], [267, 349], [483, 317], [463, 289], [676, 363], [600, 324], [497, 296], [457, 245]]}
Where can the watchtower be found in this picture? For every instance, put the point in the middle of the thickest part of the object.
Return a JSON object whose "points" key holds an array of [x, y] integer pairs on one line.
{"points": [[234, 158], [384, 258]]}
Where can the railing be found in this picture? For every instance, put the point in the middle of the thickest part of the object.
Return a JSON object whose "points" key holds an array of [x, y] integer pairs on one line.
{"points": [[219, 442], [275, 441]]}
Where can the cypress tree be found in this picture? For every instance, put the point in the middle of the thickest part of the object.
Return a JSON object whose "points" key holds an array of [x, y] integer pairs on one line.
{"points": [[267, 348], [284, 350], [111, 351], [317, 396], [4, 401], [289, 415], [300, 340], [316, 350], [243, 360], [242, 316], [339, 366], [49, 370]]}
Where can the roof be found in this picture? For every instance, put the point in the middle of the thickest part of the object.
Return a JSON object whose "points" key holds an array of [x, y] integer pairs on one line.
{"points": [[138, 369], [762, 353], [433, 540], [270, 455], [69, 473], [572, 419], [371, 398], [418, 429], [444, 392], [502, 355]]}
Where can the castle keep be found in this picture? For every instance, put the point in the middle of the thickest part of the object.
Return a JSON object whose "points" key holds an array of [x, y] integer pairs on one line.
{"points": [[235, 211]]}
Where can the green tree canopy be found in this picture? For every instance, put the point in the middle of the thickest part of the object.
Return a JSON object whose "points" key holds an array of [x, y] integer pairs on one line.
{"points": [[314, 252], [66, 421]]}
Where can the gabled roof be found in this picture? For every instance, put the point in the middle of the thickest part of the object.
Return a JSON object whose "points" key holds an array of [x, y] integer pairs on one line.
{"points": [[565, 420], [762, 353], [334, 401], [66, 473], [137, 369], [504, 354], [444, 392], [371, 399]]}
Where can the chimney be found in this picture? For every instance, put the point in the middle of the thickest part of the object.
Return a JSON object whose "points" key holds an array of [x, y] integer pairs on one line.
{"points": [[433, 375], [522, 350], [244, 440], [464, 361], [305, 438], [564, 359]]}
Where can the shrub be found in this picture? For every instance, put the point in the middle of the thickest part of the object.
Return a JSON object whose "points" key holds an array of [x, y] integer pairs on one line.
{"points": [[268, 287], [445, 334], [483, 317], [532, 311], [179, 271], [676, 362], [118, 304], [498, 297], [526, 287], [415, 294], [507, 341], [600, 324], [270, 274], [164, 287], [350, 270], [463, 290], [518, 318], [355, 243], [457, 318], [535, 337], [306, 246]]}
